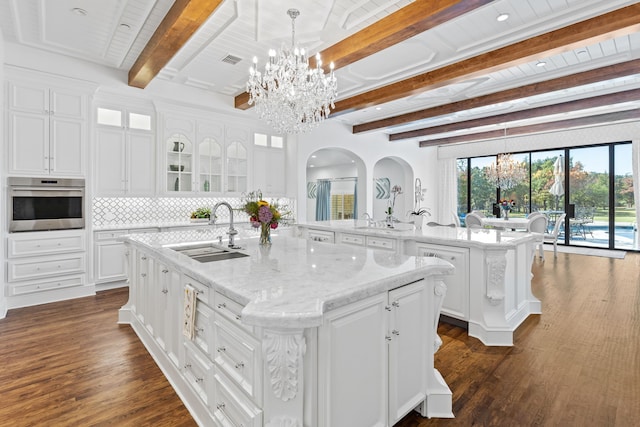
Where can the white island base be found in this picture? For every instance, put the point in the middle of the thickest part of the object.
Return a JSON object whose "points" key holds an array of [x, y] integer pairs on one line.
{"points": [[280, 342]]}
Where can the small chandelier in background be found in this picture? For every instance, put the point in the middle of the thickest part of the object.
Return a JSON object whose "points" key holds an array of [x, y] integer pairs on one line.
{"points": [[506, 172], [291, 96]]}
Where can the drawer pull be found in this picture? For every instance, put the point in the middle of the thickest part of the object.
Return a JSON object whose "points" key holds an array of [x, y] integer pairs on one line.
{"points": [[222, 305], [144, 258], [238, 317], [199, 329], [221, 349], [239, 365], [199, 379], [187, 366], [395, 332], [143, 274], [396, 303], [165, 271], [165, 291]]}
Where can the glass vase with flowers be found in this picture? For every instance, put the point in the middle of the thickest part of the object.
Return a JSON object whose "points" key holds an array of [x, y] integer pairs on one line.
{"points": [[262, 215]]}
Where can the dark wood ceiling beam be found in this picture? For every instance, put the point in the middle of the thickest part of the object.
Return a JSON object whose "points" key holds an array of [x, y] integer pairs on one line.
{"points": [[183, 19], [563, 107], [613, 24], [413, 19], [538, 128], [586, 77]]}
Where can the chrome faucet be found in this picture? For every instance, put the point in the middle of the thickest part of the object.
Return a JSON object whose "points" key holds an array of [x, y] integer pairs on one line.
{"points": [[232, 231], [367, 217]]}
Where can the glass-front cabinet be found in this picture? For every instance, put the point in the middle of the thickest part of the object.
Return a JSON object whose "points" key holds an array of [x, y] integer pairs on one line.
{"points": [[237, 167], [179, 151], [210, 166]]}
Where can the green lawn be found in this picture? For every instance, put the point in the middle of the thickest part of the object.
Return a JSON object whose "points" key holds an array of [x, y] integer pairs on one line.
{"points": [[623, 215]]}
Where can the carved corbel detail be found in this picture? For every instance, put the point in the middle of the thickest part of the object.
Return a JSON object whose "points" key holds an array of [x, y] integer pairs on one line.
{"points": [[283, 353], [440, 291], [496, 267]]}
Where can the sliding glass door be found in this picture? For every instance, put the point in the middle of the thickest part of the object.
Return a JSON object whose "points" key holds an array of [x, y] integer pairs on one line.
{"points": [[593, 185]]}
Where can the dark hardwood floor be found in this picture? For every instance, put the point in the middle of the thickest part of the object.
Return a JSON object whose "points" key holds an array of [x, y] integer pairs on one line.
{"points": [[577, 364]]}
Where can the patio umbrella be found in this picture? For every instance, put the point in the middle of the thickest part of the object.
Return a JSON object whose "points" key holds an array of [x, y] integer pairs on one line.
{"points": [[557, 188]]}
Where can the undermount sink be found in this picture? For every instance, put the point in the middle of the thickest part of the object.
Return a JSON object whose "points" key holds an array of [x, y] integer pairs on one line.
{"points": [[207, 252], [383, 228]]}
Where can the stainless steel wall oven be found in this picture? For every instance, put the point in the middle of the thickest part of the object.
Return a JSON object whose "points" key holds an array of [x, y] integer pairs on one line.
{"points": [[45, 203]]}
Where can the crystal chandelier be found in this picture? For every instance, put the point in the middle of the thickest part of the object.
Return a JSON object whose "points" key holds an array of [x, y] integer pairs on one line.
{"points": [[291, 96], [506, 172]]}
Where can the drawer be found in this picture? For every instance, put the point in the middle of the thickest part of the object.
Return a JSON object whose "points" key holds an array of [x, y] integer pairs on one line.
{"points": [[201, 289], [231, 406], [238, 355], [109, 235], [352, 239], [38, 268], [231, 310], [198, 373], [381, 242], [45, 285], [43, 244], [321, 236], [204, 329]]}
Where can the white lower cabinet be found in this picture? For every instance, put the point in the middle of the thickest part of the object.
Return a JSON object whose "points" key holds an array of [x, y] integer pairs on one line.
{"points": [[111, 255], [45, 261], [374, 349], [456, 302], [368, 364]]}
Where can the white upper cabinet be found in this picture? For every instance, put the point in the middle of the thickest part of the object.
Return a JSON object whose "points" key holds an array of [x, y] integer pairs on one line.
{"points": [[125, 155], [205, 156], [269, 167], [47, 129]]}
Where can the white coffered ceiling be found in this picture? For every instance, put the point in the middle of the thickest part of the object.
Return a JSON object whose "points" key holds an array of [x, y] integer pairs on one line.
{"points": [[113, 33]]}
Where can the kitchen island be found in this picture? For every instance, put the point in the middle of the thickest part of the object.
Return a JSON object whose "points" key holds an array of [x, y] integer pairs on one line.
{"points": [[299, 333], [490, 291]]}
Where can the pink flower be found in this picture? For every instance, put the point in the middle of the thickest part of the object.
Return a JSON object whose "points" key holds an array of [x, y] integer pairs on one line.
{"points": [[274, 225]]}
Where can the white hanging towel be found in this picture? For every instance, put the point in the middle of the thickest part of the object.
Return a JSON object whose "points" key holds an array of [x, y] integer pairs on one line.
{"points": [[189, 318]]}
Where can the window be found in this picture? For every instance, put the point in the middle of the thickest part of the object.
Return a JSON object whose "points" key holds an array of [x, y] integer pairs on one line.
{"points": [[139, 121], [260, 139], [592, 184]]}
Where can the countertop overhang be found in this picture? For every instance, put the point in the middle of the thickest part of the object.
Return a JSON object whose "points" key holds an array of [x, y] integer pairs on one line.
{"points": [[293, 282]]}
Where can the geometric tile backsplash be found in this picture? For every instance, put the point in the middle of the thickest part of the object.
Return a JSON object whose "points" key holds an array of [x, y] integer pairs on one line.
{"points": [[146, 210]]}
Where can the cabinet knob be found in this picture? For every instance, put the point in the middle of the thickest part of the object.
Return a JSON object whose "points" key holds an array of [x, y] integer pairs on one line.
{"points": [[395, 332], [165, 271], [396, 303], [165, 291]]}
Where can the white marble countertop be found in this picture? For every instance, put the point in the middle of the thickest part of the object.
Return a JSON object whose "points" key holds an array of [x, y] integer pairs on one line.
{"points": [[445, 235], [291, 283]]}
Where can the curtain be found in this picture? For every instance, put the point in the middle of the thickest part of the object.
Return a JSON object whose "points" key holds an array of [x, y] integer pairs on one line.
{"points": [[635, 161], [447, 206], [323, 200], [355, 199]]}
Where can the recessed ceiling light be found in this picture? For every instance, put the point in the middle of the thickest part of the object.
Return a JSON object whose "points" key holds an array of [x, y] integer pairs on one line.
{"points": [[313, 156], [79, 11], [502, 17], [311, 166], [541, 64]]}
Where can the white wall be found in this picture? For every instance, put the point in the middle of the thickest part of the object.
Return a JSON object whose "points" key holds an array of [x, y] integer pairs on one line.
{"points": [[3, 197], [370, 148]]}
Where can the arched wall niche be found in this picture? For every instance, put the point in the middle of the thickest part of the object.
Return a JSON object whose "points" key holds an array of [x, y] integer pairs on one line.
{"points": [[387, 173], [345, 170]]}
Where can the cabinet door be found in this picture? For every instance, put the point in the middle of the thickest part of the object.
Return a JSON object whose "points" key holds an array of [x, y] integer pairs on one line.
{"points": [[110, 162], [353, 360], [111, 262], [456, 300], [269, 169], [29, 143], [408, 352], [141, 164], [67, 146], [179, 155], [67, 104], [29, 98]]}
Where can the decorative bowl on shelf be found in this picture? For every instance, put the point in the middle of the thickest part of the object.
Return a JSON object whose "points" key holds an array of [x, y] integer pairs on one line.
{"points": [[175, 168]]}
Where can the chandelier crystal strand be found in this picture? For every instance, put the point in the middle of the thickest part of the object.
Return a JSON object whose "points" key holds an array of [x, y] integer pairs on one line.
{"points": [[290, 95], [506, 172]]}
